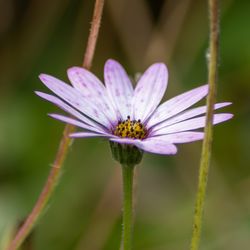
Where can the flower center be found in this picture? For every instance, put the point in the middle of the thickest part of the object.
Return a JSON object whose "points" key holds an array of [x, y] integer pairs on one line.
{"points": [[131, 129]]}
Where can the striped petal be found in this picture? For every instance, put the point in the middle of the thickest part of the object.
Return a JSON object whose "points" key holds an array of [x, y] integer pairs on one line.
{"points": [[92, 89], [58, 102], [74, 122], [151, 145], [88, 135], [119, 87], [177, 104], [191, 124], [182, 137], [149, 91], [188, 114], [157, 146], [125, 140], [75, 98]]}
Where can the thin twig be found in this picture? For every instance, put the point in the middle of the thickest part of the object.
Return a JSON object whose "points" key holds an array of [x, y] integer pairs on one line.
{"points": [[65, 142], [207, 143], [93, 35]]}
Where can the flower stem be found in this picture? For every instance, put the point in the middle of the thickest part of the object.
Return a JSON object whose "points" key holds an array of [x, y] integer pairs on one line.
{"points": [[127, 174], [207, 143], [64, 145]]}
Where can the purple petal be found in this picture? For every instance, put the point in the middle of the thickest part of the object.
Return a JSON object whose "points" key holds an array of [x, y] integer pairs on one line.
{"points": [[188, 114], [83, 80], [149, 91], [75, 99], [157, 146], [74, 122], [191, 124], [177, 104], [182, 137], [88, 134], [92, 89], [125, 140], [58, 102], [119, 87], [151, 145]]}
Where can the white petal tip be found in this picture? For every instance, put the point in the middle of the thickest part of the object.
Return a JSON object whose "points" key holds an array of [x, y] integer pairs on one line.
{"points": [[227, 104], [52, 115], [76, 135], [203, 88], [110, 60], [111, 63], [74, 69], [42, 95], [224, 116], [43, 76], [228, 116], [158, 66]]}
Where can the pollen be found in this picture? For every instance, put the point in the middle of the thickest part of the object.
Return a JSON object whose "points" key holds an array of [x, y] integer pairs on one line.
{"points": [[130, 129]]}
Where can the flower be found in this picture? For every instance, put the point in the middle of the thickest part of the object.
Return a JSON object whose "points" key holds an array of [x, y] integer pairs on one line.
{"points": [[127, 115]]}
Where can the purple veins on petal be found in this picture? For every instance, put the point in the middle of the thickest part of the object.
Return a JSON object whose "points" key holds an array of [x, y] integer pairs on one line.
{"points": [[188, 114], [151, 145], [58, 102], [118, 112], [92, 89], [149, 91], [88, 134], [119, 87], [74, 98], [157, 146], [84, 80], [177, 104], [75, 122], [182, 137], [190, 124]]}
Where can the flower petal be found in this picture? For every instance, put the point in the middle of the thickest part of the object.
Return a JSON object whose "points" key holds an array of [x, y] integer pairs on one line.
{"points": [[188, 114], [182, 137], [177, 104], [191, 124], [58, 102], [149, 91], [75, 122], [157, 146], [92, 89], [88, 134], [125, 140], [75, 99], [151, 145], [119, 87]]}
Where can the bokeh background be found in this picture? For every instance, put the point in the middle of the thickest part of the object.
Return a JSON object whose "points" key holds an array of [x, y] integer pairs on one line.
{"points": [[85, 211]]}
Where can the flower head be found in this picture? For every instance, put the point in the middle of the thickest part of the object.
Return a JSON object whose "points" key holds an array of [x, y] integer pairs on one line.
{"points": [[127, 115]]}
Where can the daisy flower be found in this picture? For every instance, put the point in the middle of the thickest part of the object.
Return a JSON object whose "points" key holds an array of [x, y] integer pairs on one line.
{"points": [[128, 116]]}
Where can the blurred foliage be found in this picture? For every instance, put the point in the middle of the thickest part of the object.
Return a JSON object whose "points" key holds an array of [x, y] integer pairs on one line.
{"points": [[84, 213]]}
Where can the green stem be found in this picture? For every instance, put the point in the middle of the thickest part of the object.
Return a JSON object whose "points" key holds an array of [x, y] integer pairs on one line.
{"points": [[64, 145], [207, 143], [127, 174]]}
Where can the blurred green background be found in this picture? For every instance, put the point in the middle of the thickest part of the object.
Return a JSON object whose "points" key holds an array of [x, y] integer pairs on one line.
{"points": [[85, 211]]}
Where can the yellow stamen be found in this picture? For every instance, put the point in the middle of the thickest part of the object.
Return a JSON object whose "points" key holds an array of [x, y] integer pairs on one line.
{"points": [[131, 129]]}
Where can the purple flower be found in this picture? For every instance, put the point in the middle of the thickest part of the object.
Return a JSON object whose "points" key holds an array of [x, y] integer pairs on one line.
{"points": [[128, 115]]}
